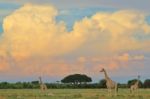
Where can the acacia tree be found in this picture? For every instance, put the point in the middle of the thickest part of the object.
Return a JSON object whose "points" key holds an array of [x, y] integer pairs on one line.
{"points": [[146, 83], [131, 82], [76, 79], [102, 83]]}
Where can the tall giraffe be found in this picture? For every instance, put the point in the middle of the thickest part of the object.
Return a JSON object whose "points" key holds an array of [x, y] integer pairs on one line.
{"points": [[110, 83], [43, 87], [135, 86]]}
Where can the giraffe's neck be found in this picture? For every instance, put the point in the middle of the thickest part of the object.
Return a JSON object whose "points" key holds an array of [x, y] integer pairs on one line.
{"points": [[137, 82], [106, 76], [41, 81]]}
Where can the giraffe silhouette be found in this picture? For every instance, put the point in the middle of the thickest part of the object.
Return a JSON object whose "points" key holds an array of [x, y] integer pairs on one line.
{"points": [[43, 87], [135, 86], [110, 83]]}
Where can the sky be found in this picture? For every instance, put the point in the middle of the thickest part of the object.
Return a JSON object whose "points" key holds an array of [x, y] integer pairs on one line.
{"points": [[53, 39]]}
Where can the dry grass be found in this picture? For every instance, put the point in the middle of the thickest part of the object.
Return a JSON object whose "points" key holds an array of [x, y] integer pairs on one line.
{"points": [[73, 94]]}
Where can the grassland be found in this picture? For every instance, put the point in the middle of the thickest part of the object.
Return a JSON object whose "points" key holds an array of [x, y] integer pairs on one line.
{"points": [[72, 94]]}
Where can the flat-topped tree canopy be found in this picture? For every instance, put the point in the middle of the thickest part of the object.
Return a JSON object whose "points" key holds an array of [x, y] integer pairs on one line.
{"points": [[76, 78]]}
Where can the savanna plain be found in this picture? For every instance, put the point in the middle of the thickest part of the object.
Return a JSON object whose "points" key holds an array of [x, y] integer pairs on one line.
{"points": [[72, 94]]}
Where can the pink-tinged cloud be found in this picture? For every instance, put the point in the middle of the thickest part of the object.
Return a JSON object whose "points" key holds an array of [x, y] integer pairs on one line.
{"points": [[124, 57], [115, 62], [4, 66], [113, 65], [32, 31], [47, 68]]}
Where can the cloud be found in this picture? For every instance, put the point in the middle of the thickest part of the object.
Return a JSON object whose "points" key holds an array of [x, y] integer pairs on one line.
{"points": [[125, 57], [46, 67], [139, 57], [82, 59], [116, 62], [113, 32], [32, 31], [4, 66]]}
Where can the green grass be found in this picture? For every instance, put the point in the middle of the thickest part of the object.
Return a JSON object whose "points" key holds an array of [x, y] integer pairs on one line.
{"points": [[72, 94]]}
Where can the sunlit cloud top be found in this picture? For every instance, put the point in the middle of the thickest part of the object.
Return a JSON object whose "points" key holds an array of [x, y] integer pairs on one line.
{"points": [[42, 39]]}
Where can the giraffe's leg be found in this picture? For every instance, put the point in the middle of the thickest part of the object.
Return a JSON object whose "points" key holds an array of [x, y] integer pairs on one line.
{"points": [[115, 92], [116, 89], [108, 89], [110, 92], [137, 91], [132, 89], [41, 88]]}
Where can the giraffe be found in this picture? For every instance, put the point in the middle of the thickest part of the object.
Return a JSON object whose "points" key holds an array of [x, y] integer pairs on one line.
{"points": [[135, 86], [110, 83], [43, 87]]}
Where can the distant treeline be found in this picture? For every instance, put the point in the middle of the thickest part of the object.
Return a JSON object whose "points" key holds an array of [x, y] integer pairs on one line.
{"points": [[59, 85], [71, 81]]}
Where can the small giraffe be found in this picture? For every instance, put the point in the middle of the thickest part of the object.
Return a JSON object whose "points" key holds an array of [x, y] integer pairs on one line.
{"points": [[43, 87], [110, 83], [135, 86]]}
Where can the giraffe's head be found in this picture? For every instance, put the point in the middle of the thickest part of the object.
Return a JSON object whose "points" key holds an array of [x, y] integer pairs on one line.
{"points": [[138, 76], [102, 70], [39, 77]]}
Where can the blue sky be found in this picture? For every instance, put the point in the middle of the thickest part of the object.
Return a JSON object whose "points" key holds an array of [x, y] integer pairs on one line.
{"points": [[77, 9], [123, 4], [75, 14], [71, 11]]}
